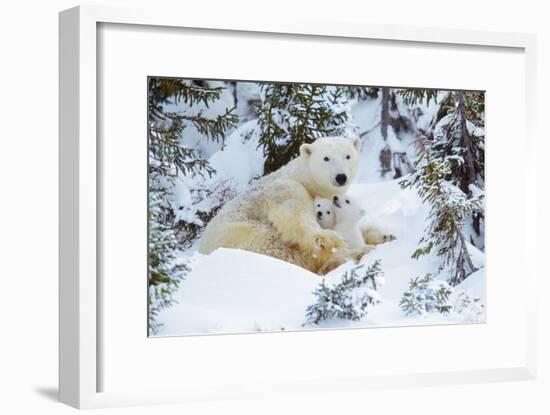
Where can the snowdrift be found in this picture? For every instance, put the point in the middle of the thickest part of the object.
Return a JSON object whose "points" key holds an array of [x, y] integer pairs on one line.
{"points": [[233, 291]]}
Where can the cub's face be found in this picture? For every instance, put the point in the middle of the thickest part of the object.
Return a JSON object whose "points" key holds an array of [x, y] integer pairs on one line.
{"points": [[332, 162], [347, 209], [324, 212]]}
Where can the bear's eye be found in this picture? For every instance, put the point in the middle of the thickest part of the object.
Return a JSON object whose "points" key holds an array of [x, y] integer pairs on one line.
{"points": [[347, 201], [180, 208], [326, 159], [328, 212], [318, 205], [348, 157]]}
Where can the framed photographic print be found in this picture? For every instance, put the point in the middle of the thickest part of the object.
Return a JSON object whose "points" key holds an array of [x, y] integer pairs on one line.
{"points": [[228, 218], [294, 206]]}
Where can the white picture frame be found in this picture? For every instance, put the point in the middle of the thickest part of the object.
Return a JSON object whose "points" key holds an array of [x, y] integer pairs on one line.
{"points": [[79, 313]]}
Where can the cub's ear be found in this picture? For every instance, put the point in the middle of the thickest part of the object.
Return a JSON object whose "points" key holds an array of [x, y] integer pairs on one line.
{"points": [[356, 143], [306, 149]]}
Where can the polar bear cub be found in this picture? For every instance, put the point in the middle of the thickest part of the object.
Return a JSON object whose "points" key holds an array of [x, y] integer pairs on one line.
{"points": [[348, 214], [324, 212]]}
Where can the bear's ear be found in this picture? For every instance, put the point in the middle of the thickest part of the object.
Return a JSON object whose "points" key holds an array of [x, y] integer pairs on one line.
{"points": [[356, 143], [306, 149]]}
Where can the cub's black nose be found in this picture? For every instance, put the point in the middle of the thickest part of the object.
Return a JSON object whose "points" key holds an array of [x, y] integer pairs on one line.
{"points": [[319, 214], [341, 179]]}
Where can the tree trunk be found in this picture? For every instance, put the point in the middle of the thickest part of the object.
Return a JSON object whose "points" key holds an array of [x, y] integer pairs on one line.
{"points": [[464, 266], [385, 117], [468, 172], [386, 153]]}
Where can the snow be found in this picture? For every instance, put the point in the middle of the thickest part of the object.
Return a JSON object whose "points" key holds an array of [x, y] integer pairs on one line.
{"points": [[234, 291], [239, 159], [192, 138], [367, 116], [247, 93], [475, 284]]}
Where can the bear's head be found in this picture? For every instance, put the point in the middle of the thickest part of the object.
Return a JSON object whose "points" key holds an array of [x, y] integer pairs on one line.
{"points": [[324, 212], [332, 163], [347, 209]]}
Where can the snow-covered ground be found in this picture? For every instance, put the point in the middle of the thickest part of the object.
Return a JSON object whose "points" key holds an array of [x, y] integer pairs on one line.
{"points": [[232, 291]]}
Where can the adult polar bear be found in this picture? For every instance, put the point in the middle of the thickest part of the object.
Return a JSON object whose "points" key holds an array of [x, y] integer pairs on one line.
{"points": [[276, 215]]}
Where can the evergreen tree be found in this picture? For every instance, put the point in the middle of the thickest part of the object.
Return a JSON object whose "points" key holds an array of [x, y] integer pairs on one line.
{"points": [[459, 137], [449, 177], [429, 295], [350, 298], [169, 154], [449, 208], [414, 96], [460, 132], [170, 157], [293, 114], [426, 295], [165, 270]]}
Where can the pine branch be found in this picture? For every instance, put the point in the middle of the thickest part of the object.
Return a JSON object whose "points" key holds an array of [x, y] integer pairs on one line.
{"points": [[449, 207], [350, 298], [291, 115]]}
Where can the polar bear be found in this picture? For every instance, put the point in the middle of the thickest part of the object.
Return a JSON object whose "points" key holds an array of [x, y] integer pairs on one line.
{"points": [[276, 215], [326, 217], [374, 236], [348, 214], [324, 212]]}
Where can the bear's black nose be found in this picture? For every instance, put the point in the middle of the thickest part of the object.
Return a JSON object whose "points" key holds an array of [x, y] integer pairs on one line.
{"points": [[319, 214], [341, 179]]}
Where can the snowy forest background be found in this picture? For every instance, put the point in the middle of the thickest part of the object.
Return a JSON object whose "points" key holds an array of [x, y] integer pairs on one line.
{"points": [[421, 179]]}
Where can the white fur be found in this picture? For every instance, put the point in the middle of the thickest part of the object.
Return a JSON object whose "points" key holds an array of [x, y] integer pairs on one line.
{"points": [[324, 212], [329, 157], [276, 215], [348, 214]]}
